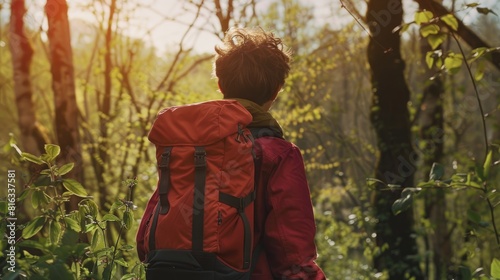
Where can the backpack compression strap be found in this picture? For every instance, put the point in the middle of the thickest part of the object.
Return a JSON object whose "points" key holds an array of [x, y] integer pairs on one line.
{"points": [[163, 205], [240, 204], [164, 180], [200, 170]]}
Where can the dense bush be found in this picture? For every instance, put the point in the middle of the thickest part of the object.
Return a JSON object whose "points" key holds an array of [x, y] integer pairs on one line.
{"points": [[61, 244]]}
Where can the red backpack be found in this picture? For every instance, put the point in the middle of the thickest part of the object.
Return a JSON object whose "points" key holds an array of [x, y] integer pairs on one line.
{"points": [[202, 213]]}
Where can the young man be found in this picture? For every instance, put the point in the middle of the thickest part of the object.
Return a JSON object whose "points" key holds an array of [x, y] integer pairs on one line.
{"points": [[251, 66]]}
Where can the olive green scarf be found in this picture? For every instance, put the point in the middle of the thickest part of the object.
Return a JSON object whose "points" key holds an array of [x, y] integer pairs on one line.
{"points": [[261, 118]]}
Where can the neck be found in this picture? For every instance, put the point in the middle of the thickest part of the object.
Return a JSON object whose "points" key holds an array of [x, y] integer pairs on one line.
{"points": [[266, 106]]}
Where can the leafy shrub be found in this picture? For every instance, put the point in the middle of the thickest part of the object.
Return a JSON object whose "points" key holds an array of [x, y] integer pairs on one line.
{"points": [[61, 244]]}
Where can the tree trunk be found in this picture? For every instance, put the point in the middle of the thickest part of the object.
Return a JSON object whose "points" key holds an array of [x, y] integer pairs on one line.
{"points": [[431, 125], [432, 135], [32, 135], [63, 85], [390, 118]]}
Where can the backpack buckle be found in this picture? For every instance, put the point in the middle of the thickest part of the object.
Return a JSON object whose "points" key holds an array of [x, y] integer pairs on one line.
{"points": [[165, 158], [199, 157]]}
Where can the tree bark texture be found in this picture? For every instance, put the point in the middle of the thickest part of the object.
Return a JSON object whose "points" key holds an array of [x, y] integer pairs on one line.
{"points": [[390, 119], [63, 86], [32, 135], [432, 134], [431, 125]]}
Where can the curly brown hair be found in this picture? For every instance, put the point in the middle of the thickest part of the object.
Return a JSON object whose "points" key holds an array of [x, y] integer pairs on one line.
{"points": [[251, 64]]}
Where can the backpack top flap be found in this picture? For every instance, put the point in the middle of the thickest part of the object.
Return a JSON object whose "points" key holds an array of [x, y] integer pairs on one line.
{"points": [[198, 124]]}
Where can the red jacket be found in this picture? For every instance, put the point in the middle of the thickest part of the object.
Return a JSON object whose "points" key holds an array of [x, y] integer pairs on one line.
{"points": [[284, 221]]}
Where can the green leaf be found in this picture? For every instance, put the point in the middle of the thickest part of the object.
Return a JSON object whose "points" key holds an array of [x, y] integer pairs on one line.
{"points": [[472, 5], [71, 238], [74, 187], [128, 218], [485, 11], [97, 240], [129, 276], [487, 165], [104, 251], [429, 29], [127, 247], [35, 198], [404, 202], [110, 218], [88, 207], [116, 205], [423, 17], [435, 40], [43, 198], [373, 182], [24, 194], [33, 227], [478, 52], [65, 169], [52, 151], [429, 59], [32, 158], [93, 208], [459, 178], [451, 21], [439, 62], [479, 74], [106, 274], [437, 172], [90, 227], [452, 62], [54, 231], [121, 262], [72, 224], [495, 268]]}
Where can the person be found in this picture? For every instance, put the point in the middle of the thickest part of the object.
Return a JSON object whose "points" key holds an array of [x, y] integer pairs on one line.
{"points": [[251, 66]]}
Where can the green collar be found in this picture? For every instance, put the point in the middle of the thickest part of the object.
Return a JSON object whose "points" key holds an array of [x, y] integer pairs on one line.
{"points": [[261, 117]]}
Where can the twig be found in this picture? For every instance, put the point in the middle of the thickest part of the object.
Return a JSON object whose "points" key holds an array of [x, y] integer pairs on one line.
{"points": [[476, 92], [492, 214]]}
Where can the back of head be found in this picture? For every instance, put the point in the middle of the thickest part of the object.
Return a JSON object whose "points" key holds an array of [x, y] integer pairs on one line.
{"points": [[251, 64]]}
